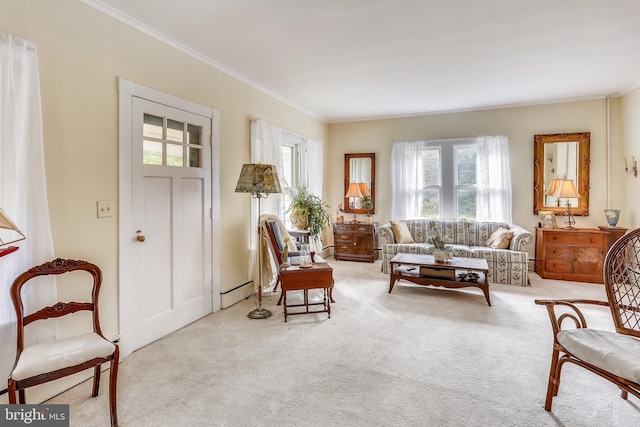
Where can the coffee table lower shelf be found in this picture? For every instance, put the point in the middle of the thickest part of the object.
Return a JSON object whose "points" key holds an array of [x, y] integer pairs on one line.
{"points": [[407, 267]]}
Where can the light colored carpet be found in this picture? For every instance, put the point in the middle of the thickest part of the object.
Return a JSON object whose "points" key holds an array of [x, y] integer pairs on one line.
{"points": [[416, 357]]}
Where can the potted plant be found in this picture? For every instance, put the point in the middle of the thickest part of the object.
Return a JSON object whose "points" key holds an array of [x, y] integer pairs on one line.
{"points": [[367, 204], [441, 251], [308, 212]]}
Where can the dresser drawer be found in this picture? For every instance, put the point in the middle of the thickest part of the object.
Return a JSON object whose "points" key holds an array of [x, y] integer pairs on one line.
{"points": [[558, 252], [577, 239], [558, 266], [346, 248], [344, 237], [354, 228]]}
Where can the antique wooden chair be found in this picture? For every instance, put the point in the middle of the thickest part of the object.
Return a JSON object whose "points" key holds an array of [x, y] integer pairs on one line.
{"points": [[275, 240], [49, 361], [614, 356]]}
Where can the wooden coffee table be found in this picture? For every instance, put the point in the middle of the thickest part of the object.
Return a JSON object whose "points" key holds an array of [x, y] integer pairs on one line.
{"points": [[424, 270], [296, 278]]}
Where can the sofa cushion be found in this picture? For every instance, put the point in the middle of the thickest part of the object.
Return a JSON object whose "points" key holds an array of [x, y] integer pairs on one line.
{"points": [[401, 232], [500, 239]]}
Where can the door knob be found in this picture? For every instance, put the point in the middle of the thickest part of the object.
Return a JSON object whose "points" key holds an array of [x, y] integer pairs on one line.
{"points": [[140, 237]]}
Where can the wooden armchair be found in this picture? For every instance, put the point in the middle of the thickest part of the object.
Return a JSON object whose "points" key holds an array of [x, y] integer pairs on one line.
{"points": [[614, 356], [41, 363]]}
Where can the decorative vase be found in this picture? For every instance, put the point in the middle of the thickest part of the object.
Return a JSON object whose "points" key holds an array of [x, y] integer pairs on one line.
{"points": [[299, 221], [440, 255], [612, 215]]}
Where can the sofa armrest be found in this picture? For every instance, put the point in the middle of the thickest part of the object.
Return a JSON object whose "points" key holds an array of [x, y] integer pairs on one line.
{"points": [[521, 238], [385, 235]]}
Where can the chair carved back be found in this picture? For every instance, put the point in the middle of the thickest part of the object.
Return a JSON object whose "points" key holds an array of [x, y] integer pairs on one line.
{"points": [[622, 282], [55, 267]]}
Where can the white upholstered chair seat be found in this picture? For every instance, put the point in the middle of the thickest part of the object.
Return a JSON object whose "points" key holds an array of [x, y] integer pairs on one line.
{"points": [[48, 357], [609, 351]]}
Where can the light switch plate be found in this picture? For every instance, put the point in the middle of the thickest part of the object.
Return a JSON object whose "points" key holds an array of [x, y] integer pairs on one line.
{"points": [[105, 208]]}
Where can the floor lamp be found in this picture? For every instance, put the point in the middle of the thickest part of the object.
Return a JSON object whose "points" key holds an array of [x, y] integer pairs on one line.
{"points": [[259, 180], [15, 233]]}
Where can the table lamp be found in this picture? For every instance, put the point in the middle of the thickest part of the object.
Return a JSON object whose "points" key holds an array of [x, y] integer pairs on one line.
{"points": [[566, 189]]}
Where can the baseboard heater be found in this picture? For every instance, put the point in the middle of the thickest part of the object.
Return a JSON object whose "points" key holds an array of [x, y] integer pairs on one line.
{"points": [[438, 273]]}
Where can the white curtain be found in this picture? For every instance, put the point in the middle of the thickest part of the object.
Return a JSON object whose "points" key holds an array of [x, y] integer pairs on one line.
{"points": [[22, 191], [493, 178], [265, 148], [493, 200], [406, 180], [312, 162]]}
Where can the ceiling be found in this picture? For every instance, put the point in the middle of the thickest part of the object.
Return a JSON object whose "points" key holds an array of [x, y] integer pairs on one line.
{"points": [[342, 60]]}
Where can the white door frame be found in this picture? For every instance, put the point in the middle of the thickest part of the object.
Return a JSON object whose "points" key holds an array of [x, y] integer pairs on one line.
{"points": [[127, 91]]}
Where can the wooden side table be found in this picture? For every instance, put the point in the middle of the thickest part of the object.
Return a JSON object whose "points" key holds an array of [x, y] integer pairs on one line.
{"points": [[301, 236], [296, 278]]}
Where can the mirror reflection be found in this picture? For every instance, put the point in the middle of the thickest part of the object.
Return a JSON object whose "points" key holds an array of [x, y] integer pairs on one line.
{"points": [[561, 162], [359, 174], [561, 172]]}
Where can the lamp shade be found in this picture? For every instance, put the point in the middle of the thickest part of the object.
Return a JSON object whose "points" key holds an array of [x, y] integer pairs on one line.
{"points": [[364, 189], [553, 186], [9, 232], [566, 189], [354, 190], [257, 178]]}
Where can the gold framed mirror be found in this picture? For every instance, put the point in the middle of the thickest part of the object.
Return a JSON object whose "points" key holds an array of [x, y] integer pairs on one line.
{"points": [[359, 182], [557, 157]]}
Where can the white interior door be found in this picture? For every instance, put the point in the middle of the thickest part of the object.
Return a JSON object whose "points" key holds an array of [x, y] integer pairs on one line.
{"points": [[168, 236]]}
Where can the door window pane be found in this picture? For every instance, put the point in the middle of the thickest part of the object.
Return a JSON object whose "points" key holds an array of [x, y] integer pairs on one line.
{"points": [[175, 131], [193, 134], [174, 155], [167, 142], [194, 160], [152, 126], [152, 152]]}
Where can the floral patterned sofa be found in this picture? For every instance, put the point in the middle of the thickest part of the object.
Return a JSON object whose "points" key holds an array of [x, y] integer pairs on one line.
{"points": [[468, 239]]}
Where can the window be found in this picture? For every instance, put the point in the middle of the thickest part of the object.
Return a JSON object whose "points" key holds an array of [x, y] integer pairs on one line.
{"points": [[456, 178], [290, 147], [171, 143], [448, 177]]}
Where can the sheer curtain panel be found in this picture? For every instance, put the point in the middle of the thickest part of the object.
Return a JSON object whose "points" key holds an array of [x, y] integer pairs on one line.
{"points": [[493, 199], [265, 148], [406, 180], [22, 188]]}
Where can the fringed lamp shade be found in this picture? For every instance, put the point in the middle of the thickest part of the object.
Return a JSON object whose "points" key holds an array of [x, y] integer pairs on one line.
{"points": [[256, 178], [259, 180]]}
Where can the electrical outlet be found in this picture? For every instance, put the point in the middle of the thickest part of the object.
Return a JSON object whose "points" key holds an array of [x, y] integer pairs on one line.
{"points": [[105, 208]]}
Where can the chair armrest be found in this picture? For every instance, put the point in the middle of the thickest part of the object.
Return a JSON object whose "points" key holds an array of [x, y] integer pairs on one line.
{"points": [[521, 238], [572, 312], [385, 235]]}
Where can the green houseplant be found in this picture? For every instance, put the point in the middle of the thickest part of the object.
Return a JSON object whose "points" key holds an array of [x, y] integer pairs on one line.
{"points": [[308, 212]]}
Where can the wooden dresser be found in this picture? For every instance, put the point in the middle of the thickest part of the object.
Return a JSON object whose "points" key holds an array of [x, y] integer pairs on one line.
{"points": [[576, 255], [355, 242]]}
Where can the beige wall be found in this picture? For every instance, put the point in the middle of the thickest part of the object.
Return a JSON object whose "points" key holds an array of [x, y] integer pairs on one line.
{"points": [[81, 54], [520, 124], [628, 186]]}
